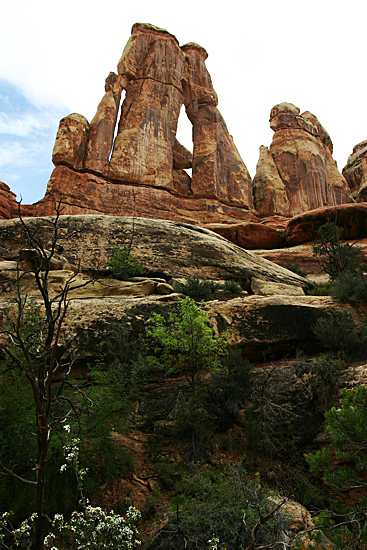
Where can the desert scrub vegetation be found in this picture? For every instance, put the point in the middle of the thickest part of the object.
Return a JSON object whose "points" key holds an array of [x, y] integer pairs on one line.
{"points": [[122, 264], [334, 256], [197, 289], [350, 287], [203, 289], [295, 268], [339, 335], [222, 506]]}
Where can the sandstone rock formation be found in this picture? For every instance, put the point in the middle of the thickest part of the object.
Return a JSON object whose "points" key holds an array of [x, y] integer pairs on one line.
{"points": [[7, 202], [298, 172], [248, 235], [165, 249], [97, 171], [351, 217], [355, 172]]}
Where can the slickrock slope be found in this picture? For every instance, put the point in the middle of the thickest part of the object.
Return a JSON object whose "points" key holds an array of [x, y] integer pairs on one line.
{"points": [[355, 172], [298, 172], [163, 248]]}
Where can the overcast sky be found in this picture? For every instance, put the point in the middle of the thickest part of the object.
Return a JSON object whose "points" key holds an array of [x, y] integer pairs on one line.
{"points": [[55, 56]]}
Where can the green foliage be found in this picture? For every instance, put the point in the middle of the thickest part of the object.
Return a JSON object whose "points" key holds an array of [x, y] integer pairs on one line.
{"points": [[210, 503], [338, 334], [123, 265], [232, 287], [334, 256], [117, 379], [229, 389], [323, 290], [350, 287], [197, 289], [295, 268], [17, 443], [203, 290], [347, 427], [185, 343], [166, 472]]}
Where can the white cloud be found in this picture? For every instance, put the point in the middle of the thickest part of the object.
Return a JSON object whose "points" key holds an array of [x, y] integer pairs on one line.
{"points": [[22, 125], [14, 153]]}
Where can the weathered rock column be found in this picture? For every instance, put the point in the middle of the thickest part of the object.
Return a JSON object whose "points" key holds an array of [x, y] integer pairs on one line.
{"points": [[143, 150], [301, 158], [71, 141], [217, 168], [102, 127]]}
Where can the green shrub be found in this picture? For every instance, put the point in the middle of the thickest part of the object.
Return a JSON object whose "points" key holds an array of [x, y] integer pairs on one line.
{"points": [[212, 504], [347, 426], [295, 268], [229, 389], [350, 287], [122, 264], [321, 290], [166, 472], [197, 289], [232, 287], [334, 256], [338, 334]]}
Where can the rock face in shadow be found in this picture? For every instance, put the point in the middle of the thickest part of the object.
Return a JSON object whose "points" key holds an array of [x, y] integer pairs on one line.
{"points": [[297, 173], [355, 172]]}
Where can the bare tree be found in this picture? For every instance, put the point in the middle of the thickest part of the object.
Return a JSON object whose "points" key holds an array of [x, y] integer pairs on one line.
{"points": [[33, 350]]}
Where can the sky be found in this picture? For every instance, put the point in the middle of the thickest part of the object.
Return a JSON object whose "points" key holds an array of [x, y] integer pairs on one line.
{"points": [[55, 56]]}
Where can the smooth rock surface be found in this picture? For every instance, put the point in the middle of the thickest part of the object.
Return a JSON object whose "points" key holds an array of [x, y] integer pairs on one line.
{"points": [[248, 235], [166, 248], [351, 217]]}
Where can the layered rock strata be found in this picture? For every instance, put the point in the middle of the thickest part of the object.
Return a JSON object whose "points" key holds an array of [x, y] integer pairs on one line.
{"points": [[298, 172]]}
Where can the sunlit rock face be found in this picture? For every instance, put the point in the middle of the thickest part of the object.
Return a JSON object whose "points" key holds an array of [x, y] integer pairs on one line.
{"points": [[297, 173], [130, 145]]}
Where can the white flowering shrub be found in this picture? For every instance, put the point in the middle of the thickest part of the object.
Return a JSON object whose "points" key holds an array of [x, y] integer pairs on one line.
{"points": [[95, 529], [92, 528], [20, 537]]}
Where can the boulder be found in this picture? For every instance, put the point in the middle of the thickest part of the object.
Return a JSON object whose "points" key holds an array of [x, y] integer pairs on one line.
{"points": [[268, 288], [248, 235], [351, 217]]}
